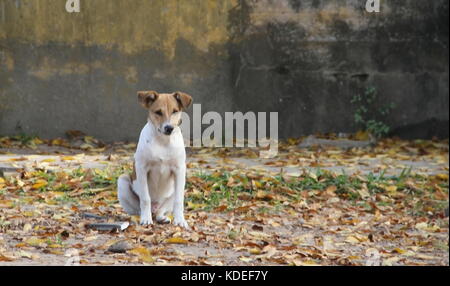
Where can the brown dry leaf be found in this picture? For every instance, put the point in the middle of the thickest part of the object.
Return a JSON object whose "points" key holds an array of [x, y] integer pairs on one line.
{"points": [[4, 258], [18, 159]]}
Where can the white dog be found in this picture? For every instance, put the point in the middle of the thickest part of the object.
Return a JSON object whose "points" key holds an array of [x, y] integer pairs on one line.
{"points": [[156, 185]]}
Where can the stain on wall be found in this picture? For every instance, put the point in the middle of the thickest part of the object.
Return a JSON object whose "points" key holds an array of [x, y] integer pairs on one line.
{"points": [[129, 26], [303, 58]]}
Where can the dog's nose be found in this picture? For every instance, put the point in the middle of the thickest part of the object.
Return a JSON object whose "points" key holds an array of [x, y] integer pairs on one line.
{"points": [[168, 129]]}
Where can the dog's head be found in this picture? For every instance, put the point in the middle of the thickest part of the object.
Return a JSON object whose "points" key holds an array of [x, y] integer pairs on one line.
{"points": [[165, 108]]}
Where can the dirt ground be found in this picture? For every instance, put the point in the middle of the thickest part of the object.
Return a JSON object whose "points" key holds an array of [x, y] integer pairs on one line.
{"points": [[43, 202]]}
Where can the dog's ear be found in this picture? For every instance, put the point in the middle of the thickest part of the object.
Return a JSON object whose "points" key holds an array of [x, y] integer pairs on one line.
{"points": [[146, 98], [184, 99]]}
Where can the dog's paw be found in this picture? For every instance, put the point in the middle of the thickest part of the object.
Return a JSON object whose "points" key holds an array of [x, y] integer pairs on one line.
{"points": [[163, 220], [146, 221], [181, 222]]}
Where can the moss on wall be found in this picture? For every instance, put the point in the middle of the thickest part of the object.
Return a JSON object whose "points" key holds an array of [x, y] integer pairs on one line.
{"points": [[132, 26]]}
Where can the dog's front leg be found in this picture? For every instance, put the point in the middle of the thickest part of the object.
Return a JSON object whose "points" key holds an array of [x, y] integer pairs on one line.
{"points": [[144, 195], [178, 206]]}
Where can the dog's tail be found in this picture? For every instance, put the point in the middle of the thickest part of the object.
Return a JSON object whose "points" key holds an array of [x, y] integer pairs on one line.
{"points": [[127, 197]]}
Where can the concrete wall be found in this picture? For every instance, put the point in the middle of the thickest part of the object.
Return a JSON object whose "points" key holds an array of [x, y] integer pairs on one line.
{"points": [[303, 58]]}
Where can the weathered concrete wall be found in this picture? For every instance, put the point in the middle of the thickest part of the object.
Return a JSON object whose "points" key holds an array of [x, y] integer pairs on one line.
{"points": [[303, 58]]}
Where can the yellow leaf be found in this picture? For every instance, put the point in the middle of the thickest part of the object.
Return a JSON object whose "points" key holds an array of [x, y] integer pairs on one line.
{"points": [[6, 204], [292, 141], [391, 189], [352, 240], [68, 158], [176, 240], [139, 251], [256, 184], [39, 184], [143, 253], [57, 142], [255, 251], [34, 241], [50, 160], [28, 213], [37, 141], [443, 177], [193, 206], [399, 250], [362, 135]]}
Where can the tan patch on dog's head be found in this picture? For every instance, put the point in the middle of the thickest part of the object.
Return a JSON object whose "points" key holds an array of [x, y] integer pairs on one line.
{"points": [[165, 108]]}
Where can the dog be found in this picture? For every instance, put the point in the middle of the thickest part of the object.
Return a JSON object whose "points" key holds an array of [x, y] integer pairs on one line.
{"points": [[156, 185]]}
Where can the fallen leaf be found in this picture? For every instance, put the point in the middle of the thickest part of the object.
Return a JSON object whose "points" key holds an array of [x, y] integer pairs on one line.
{"points": [[4, 258], [176, 240], [39, 184], [34, 241], [143, 253]]}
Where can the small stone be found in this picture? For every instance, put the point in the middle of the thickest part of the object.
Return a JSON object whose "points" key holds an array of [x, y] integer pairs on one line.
{"points": [[120, 247]]}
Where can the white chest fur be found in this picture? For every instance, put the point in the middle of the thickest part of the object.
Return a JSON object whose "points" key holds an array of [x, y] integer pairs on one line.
{"points": [[161, 156]]}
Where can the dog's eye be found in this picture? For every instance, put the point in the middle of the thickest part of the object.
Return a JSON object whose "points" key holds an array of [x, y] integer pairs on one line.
{"points": [[159, 113], [175, 111]]}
